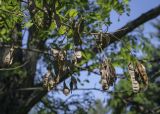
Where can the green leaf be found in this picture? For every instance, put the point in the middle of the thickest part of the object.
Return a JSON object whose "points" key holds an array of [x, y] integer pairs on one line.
{"points": [[3, 31], [126, 1], [70, 32], [73, 13], [62, 30], [53, 25], [28, 24], [69, 46]]}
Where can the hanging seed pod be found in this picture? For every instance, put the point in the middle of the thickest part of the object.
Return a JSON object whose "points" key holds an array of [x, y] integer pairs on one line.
{"points": [[103, 72], [108, 76], [140, 69], [57, 79], [104, 84], [112, 73], [99, 39], [105, 87], [73, 79], [51, 83], [48, 81], [71, 86], [8, 57], [58, 54], [73, 83], [78, 54], [61, 55], [54, 52], [135, 84], [66, 90]]}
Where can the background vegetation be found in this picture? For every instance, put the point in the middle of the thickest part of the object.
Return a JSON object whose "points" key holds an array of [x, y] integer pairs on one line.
{"points": [[63, 38]]}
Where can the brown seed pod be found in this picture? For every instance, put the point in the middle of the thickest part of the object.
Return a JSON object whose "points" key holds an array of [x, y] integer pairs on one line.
{"points": [[78, 54], [140, 69], [58, 54], [66, 90], [57, 79], [73, 83], [48, 81], [8, 57], [51, 83], [54, 52], [103, 81], [103, 73], [45, 80], [135, 83], [104, 84], [105, 87], [108, 75]]}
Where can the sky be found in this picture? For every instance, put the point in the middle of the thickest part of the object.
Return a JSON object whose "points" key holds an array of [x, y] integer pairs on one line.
{"points": [[137, 8]]}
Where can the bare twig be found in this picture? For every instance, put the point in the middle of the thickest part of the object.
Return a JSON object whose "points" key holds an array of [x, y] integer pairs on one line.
{"points": [[14, 68], [79, 89], [28, 49]]}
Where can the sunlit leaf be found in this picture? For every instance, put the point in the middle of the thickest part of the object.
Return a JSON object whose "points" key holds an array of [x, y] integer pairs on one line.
{"points": [[53, 25], [73, 13], [28, 24], [62, 30]]}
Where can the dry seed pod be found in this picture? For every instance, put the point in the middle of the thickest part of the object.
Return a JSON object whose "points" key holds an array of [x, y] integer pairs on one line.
{"points": [[103, 81], [73, 83], [108, 75], [142, 73], [54, 52], [112, 73], [66, 90], [60, 54], [76, 58], [48, 81], [57, 79], [135, 84], [8, 57], [105, 87], [51, 83], [73, 79], [78, 54], [103, 72], [99, 39], [104, 84]]}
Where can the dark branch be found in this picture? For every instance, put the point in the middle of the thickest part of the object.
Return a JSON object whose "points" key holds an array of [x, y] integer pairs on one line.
{"points": [[129, 27], [37, 95]]}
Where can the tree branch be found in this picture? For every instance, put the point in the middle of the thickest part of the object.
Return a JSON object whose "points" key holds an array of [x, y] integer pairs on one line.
{"points": [[129, 27], [37, 95]]}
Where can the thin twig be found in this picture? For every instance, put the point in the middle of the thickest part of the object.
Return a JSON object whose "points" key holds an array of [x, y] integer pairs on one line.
{"points": [[28, 49], [79, 89], [30, 89], [14, 68]]}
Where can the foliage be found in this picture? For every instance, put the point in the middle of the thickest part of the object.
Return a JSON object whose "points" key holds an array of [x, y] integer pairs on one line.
{"points": [[124, 101], [66, 37]]}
